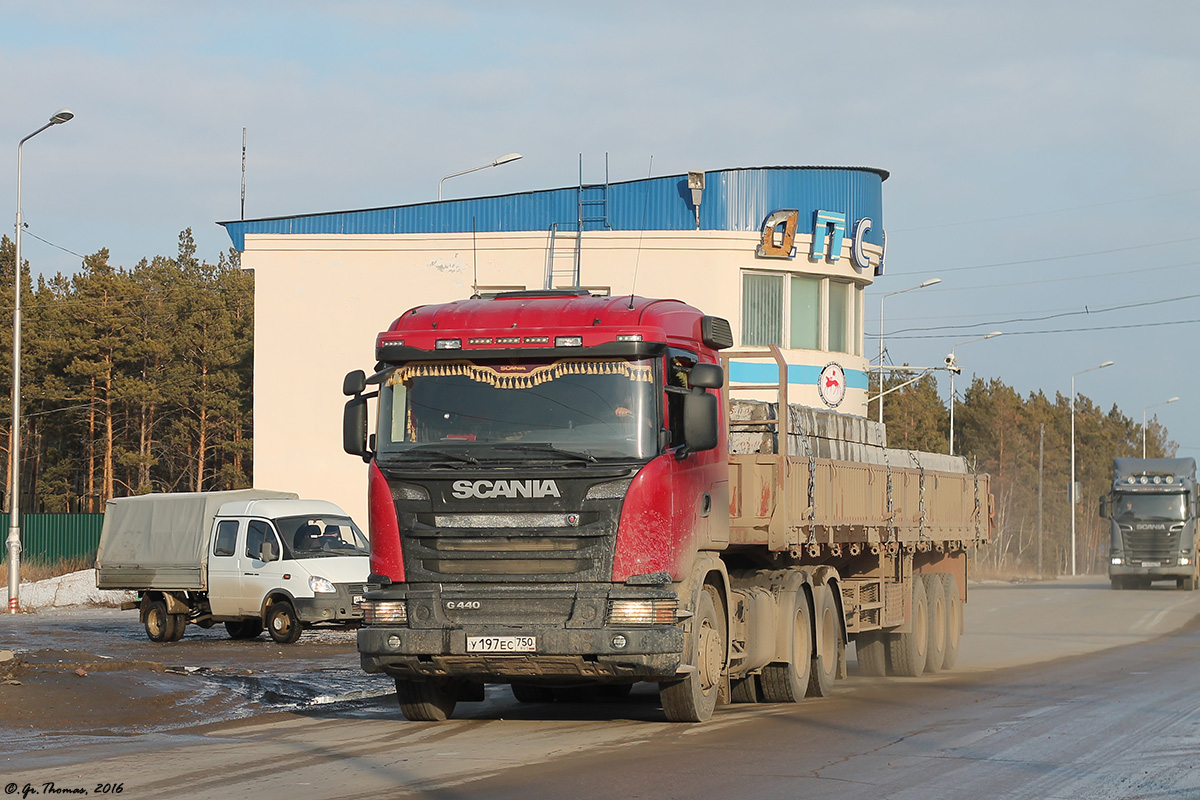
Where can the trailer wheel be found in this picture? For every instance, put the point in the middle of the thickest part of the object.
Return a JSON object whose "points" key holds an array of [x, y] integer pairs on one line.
{"points": [[872, 653], [744, 690], [939, 623], [693, 698], [908, 651], [954, 620], [428, 701], [244, 628], [160, 625], [532, 693], [282, 622], [787, 681], [830, 646]]}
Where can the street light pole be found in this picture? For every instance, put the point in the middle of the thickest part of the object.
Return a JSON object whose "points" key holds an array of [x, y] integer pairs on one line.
{"points": [[1152, 405], [1072, 490], [14, 450], [952, 363], [883, 297], [504, 159]]}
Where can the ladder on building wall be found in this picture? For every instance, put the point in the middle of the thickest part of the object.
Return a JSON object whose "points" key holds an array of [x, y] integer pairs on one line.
{"points": [[591, 214]]}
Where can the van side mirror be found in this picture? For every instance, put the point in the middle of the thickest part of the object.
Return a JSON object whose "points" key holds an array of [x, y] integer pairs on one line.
{"points": [[354, 427], [700, 422], [267, 552]]}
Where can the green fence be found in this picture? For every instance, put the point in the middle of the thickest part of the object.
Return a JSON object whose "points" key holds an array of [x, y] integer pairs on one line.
{"points": [[49, 538]]}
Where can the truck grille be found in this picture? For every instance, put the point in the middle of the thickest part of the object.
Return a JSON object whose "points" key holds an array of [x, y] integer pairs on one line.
{"points": [[1161, 546], [434, 553]]}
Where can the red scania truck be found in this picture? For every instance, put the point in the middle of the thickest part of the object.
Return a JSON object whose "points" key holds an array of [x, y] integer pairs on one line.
{"points": [[564, 495]]}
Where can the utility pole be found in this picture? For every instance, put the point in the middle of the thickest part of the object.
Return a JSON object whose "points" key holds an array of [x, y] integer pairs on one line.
{"points": [[1041, 464]]}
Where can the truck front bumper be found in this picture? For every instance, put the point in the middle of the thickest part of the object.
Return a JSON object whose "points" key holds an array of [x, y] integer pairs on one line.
{"points": [[1163, 572], [571, 642]]}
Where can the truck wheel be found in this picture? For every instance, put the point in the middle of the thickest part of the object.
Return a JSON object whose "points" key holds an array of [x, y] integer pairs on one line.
{"points": [[160, 625], [1187, 584], [244, 628], [939, 624], [954, 620], [532, 693], [830, 646], [1118, 583], [872, 653], [744, 690], [694, 698], [787, 681], [428, 701], [282, 622], [908, 651]]}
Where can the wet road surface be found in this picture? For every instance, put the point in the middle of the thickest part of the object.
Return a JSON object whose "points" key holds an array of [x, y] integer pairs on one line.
{"points": [[1116, 721]]}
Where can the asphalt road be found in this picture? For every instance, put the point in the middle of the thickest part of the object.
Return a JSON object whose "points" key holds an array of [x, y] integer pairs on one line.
{"points": [[1065, 689]]}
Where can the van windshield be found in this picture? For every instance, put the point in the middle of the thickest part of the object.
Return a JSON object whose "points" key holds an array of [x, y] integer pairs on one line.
{"points": [[583, 407], [320, 537]]}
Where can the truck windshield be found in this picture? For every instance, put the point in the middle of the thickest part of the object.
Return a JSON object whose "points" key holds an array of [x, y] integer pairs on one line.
{"points": [[569, 408], [318, 537], [1150, 506]]}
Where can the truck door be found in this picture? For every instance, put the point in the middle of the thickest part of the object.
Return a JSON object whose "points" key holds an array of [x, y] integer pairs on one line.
{"points": [[259, 576], [225, 570]]}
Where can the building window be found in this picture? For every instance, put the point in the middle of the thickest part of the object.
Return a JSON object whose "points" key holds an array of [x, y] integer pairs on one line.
{"points": [[806, 313], [762, 310], [839, 316]]}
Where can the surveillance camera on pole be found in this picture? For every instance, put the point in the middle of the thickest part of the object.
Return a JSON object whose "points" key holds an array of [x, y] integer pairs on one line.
{"points": [[952, 364]]}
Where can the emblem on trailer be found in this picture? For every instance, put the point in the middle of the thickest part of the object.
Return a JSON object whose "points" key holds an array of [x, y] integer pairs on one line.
{"points": [[831, 384]]}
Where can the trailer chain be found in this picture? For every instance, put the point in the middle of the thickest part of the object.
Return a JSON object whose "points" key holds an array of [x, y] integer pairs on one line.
{"points": [[891, 502], [921, 535], [978, 510]]}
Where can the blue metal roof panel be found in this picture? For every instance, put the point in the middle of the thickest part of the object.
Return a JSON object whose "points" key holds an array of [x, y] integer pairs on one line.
{"points": [[733, 200]]}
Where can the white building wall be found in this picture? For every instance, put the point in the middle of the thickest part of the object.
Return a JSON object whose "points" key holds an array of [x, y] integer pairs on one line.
{"points": [[320, 301]]}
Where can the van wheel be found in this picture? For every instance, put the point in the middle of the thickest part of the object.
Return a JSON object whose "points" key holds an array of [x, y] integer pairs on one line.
{"points": [[428, 701], [787, 682], [244, 628], [693, 698], [282, 622], [830, 646], [178, 623], [160, 626]]}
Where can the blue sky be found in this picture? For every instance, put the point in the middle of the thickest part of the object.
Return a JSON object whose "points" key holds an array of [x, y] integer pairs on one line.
{"points": [[1042, 154]]}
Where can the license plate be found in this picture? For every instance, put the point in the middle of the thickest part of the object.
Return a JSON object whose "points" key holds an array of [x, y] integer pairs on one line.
{"points": [[501, 644], [1151, 563]]}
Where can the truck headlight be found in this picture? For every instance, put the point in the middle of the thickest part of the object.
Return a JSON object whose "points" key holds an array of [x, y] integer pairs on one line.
{"points": [[1117, 561], [385, 612], [642, 612], [321, 585], [1184, 561]]}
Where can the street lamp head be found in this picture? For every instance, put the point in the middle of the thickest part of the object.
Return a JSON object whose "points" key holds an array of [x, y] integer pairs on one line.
{"points": [[63, 115], [930, 282], [993, 334], [1105, 364], [507, 157]]}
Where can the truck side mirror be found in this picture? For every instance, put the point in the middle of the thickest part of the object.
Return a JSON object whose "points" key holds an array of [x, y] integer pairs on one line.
{"points": [[1103, 508], [354, 383], [706, 376], [700, 423], [354, 427]]}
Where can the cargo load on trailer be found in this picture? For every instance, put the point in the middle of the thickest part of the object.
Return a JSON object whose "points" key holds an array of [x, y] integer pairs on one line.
{"points": [[566, 494]]}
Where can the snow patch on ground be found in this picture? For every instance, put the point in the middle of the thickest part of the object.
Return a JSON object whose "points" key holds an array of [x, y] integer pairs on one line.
{"points": [[73, 589]]}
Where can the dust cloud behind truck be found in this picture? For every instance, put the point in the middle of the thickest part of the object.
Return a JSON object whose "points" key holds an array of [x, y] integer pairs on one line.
{"points": [[1152, 522]]}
